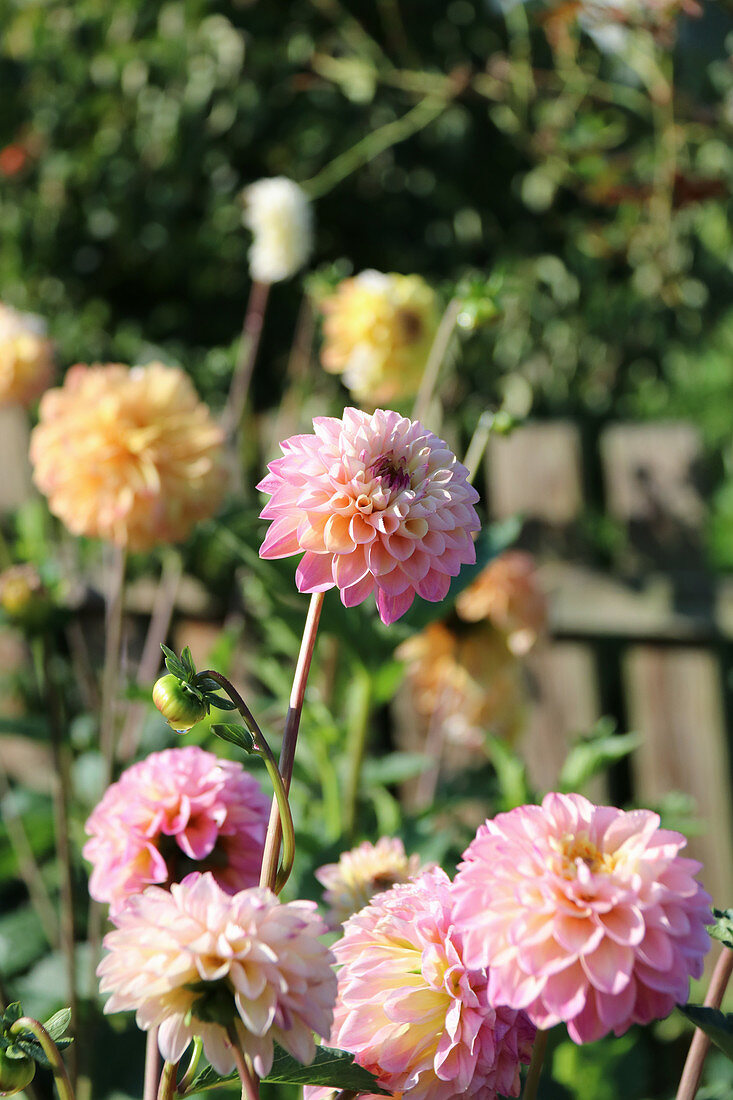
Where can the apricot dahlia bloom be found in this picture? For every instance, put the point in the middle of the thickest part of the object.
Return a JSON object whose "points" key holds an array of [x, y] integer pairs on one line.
{"points": [[279, 214], [507, 593], [26, 357], [363, 872], [412, 1011], [379, 505], [189, 959], [128, 454], [378, 331], [583, 913], [176, 811]]}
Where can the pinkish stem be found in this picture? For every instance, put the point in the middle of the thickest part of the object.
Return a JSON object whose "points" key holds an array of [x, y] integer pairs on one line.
{"points": [[271, 853], [691, 1074]]}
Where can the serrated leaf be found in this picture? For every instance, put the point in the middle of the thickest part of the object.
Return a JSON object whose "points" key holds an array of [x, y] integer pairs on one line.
{"points": [[334, 1069], [235, 735], [589, 757], [723, 928], [717, 1025], [58, 1024]]}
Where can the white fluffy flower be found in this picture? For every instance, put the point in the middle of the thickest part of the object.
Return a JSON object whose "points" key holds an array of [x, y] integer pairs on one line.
{"points": [[279, 214]]}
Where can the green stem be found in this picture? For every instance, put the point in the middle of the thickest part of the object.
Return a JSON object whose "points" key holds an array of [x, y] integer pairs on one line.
{"points": [[290, 736], [61, 1078], [263, 749], [477, 445], [414, 120], [535, 1066], [358, 731], [437, 354]]}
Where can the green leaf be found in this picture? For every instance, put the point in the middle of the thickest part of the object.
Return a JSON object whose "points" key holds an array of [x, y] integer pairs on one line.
{"points": [[723, 928], [58, 1024], [12, 1013], [511, 774], [219, 701], [717, 1025], [395, 768], [235, 735], [590, 756], [334, 1069], [188, 664]]}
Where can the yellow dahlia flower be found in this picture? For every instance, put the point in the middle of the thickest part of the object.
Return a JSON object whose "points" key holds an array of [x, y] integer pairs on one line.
{"points": [[26, 357], [378, 330], [129, 455]]}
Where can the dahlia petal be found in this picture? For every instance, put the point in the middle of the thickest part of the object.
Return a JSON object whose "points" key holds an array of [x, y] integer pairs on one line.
{"points": [[392, 608], [314, 573], [625, 925], [348, 569], [356, 593], [281, 539], [174, 1036], [565, 993], [609, 966], [656, 950]]}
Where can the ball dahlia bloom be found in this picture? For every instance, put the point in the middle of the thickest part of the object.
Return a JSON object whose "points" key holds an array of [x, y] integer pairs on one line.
{"points": [[26, 357], [281, 219], [412, 1011], [378, 504], [363, 872], [191, 960], [508, 593], [128, 454], [377, 334], [584, 914], [175, 811]]}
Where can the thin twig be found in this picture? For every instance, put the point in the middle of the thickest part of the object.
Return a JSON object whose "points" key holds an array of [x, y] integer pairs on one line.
{"points": [[535, 1066], [250, 1085], [254, 319], [357, 735], [28, 867], [437, 354], [290, 735], [691, 1074], [112, 650]]}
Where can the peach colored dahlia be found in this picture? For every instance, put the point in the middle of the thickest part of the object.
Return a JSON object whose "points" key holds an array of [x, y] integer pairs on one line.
{"points": [[377, 334], [128, 454], [363, 872], [26, 357], [194, 959], [176, 811], [379, 505], [508, 593], [584, 913], [411, 1010]]}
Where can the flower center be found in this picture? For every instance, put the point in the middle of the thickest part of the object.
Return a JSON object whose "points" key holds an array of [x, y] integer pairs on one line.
{"points": [[574, 849], [392, 470], [410, 324]]}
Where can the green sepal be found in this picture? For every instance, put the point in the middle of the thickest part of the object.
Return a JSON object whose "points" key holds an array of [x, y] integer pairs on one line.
{"points": [[334, 1069], [219, 701], [12, 1013], [58, 1024], [215, 1005], [717, 1025], [174, 665], [187, 661], [234, 734], [723, 928]]}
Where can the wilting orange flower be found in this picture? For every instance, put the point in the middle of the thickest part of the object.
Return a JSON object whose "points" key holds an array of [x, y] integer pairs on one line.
{"points": [[377, 334], [26, 357], [467, 684], [507, 593], [128, 454]]}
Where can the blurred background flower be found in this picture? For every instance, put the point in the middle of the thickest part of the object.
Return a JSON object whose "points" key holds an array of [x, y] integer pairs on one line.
{"points": [[26, 357]]}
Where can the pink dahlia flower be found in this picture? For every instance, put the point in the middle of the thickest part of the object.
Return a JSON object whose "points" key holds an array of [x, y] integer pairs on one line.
{"points": [[175, 811], [193, 959], [412, 1011], [584, 913], [379, 505], [363, 872]]}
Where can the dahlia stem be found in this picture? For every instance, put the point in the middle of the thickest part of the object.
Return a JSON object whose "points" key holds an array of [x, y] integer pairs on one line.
{"points": [[152, 1065], [435, 359], [356, 742], [112, 647], [262, 749], [691, 1074], [477, 445], [250, 1085], [535, 1066], [254, 319], [290, 737], [167, 1086], [61, 1078], [61, 801]]}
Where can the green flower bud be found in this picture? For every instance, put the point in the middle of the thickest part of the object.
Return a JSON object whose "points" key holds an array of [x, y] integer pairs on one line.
{"points": [[181, 704], [15, 1073]]}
